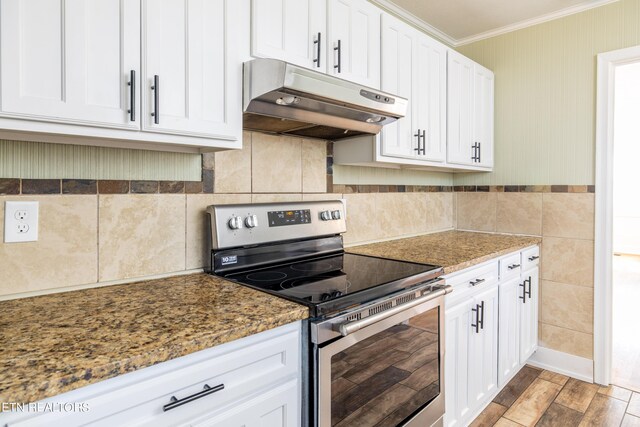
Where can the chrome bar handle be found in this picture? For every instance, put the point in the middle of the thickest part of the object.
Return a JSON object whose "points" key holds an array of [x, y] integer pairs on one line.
{"points": [[481, 321], [523, 297], [513, 266], [424, 142], [479, 153], [318, 42], [175, 402], [351, 327], [477, 324], [338, 48], [132, 95], [156, 99], [476, 282], [529, 291], [533, 258], [418, 136]]}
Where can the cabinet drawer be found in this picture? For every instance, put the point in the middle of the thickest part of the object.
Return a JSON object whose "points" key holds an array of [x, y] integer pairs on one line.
{"points": [[530, 257], [510, 266], [247, 368], [471, 281]]}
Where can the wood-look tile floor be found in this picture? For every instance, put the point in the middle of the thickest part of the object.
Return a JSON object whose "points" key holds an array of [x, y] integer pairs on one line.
{"points": [[535, 397]]}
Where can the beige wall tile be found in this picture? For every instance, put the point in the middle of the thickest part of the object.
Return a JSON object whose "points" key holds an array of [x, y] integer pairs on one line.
{"points": [[519, 213], [66, 253], [361, 224], [233, 168], [566, 340], [141, 235], [314, 166], [197, 236], [276, 165], [275, 198], [311, 197], [440, 211], [568, 215], [567, 261], [477, 211], [399, 214], [567, 306]]}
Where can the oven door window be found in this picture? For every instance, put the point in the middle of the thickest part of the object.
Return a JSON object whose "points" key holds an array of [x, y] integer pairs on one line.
{"points": [[388, 377]]}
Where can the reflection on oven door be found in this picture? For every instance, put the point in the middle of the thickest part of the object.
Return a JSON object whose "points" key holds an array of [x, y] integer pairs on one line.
{"points": [[388, 377]]}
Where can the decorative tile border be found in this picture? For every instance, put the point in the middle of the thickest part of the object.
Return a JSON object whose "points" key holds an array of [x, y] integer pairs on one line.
{"points": [[525, 188], [14, 186]]}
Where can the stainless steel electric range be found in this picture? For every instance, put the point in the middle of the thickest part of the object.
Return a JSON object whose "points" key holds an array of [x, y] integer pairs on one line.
{"points": [[374, 341]]}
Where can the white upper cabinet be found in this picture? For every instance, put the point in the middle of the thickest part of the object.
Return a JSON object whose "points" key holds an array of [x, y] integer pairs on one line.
{"points": [[398, 71], [353, 34], [430, 97], [71, 61], [191, 68], [291, 30], [470, 113]]}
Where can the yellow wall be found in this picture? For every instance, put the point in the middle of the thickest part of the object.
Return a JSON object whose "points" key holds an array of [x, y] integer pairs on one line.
{"points": [[545, 94]]}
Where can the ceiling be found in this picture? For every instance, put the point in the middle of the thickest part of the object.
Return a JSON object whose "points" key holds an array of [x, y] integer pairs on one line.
{"points": [[462, 21]]}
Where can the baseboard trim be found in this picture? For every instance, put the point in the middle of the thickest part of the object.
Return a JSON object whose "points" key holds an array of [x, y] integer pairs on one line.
{"points": [[563, 363]]}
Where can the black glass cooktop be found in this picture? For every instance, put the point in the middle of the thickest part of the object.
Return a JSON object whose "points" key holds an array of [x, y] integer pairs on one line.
{"points": [[333, 282]]}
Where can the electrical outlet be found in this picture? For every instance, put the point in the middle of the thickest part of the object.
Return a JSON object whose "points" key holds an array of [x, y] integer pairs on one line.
{"points": [[20, 222]]}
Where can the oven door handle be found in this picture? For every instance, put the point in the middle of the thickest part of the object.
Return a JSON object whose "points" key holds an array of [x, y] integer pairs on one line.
{"points": [[351, 327]]}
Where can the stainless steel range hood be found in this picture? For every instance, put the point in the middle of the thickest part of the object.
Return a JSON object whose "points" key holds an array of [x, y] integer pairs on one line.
{"points": [[283, 98]]}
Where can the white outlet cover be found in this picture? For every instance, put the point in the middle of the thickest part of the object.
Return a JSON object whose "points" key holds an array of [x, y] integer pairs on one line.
{"points": [[21, 222]]}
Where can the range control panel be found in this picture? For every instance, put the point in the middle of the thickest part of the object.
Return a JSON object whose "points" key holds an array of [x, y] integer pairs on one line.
{"points": [[252, 224]]}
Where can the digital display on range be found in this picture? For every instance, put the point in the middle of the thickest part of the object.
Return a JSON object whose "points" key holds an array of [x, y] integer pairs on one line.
{"points": [[280, 218]]}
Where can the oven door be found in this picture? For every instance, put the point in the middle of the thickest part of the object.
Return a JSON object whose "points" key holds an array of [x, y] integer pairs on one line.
{"points": [[387, 373]]}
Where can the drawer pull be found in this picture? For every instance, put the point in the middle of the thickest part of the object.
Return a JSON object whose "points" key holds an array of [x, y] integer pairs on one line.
{"points": [[513, 266], [476, 282], [533, 258], [175, 402]]}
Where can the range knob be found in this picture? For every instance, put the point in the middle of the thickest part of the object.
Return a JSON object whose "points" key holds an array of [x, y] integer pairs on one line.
{"points": [[235, 222], [251, 221], [325, 215], [335, 214]]}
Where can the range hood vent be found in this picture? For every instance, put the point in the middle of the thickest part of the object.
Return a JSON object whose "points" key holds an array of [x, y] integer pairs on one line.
{"points": [[286, 99]]}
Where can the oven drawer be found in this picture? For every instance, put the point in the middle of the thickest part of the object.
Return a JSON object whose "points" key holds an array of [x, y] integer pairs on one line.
{"points": [[471, 280], [510, 266], [530, 258], [246, 368]]}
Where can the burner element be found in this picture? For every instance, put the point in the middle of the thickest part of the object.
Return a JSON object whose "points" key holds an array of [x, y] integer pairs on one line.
{"points": [[318, 267], [266, 276]]}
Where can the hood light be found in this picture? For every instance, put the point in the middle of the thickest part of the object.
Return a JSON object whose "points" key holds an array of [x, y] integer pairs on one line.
{"points": [[287, 100], [376, 119]]}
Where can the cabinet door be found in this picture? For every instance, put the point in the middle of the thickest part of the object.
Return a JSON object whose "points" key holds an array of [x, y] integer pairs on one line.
{"points": [[483, 114], [398, 39], [290, 30], [275, 408], [529, 315], [458, 331], [193, 47], [430, 97], [483, 349], [353, 52], [459, 109], [70, 61], [509, 329]]}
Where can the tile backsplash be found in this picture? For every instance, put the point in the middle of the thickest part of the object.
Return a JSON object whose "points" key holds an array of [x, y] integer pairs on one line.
{"points": [[95, 233]]}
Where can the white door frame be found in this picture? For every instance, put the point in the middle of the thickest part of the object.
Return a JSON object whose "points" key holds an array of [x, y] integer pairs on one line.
{"points": [[603, 270]]}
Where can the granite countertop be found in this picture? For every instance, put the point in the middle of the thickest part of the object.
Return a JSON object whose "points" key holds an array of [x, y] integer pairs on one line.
{"points": [[56, 343], [453, 250]]}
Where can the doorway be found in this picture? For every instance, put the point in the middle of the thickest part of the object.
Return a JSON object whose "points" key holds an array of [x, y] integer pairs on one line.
{"points": [[617, 234], [626, 228]]}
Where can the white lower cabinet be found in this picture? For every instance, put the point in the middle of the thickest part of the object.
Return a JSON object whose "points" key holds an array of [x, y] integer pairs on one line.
{"points": [[257, 383], [490, 331]]}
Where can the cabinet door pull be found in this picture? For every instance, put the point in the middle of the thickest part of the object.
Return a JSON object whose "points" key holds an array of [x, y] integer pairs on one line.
{"points": [[156, 99], [513, 266], [476, 156], [523, 297], [479, 153], [417, 135], [338, 48], [477, 324], [533, 258], [175, 402], [318, 43], [132, 95], [482, 315], [424, 142], [476, 282], [529, 291]]}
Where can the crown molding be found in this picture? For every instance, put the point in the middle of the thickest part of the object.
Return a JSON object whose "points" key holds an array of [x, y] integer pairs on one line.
{"points": [[406, 16], [533, 21], [447, 39]]}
